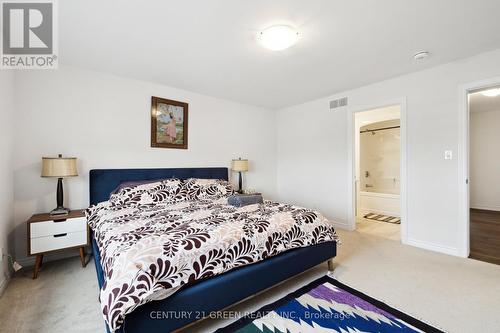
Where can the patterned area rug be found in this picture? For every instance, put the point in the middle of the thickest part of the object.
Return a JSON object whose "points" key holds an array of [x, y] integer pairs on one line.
{"points": [[383, 218], [327, 305]]}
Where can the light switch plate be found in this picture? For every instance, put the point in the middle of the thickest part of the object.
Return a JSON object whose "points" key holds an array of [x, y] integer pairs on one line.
{"points": [[448, 154]]}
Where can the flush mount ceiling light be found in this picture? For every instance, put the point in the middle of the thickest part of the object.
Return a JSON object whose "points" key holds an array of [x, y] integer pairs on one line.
{"points": [[278, 37], [491, 92], [421, 55]]}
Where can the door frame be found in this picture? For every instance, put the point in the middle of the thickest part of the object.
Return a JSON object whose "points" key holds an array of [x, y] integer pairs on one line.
{"points": [[464, 161], [351, 160]]}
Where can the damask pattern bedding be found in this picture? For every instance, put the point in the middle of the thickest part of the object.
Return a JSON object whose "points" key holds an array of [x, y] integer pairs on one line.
{"points": [[155, 238]]}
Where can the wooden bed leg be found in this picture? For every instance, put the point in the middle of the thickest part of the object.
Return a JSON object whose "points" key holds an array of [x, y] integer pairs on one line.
{"points": [[331, 265]]}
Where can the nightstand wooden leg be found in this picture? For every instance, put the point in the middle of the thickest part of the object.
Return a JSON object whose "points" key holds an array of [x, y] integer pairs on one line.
{"points": [[82, 256], [38, 263]]}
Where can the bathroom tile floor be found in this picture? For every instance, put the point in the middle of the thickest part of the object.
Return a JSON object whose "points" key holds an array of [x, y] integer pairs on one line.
{"points": [[381, 229]]}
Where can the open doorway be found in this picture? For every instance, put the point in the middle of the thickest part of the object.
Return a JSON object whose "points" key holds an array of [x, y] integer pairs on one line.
{"points": [[377, 164], [484, 174]]}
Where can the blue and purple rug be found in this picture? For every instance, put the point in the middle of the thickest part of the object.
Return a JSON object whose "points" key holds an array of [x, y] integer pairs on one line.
{"points": [[327, 305]]}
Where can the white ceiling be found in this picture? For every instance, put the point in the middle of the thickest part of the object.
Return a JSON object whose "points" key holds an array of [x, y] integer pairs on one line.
{"points": [[481, 103], [209, 46]]}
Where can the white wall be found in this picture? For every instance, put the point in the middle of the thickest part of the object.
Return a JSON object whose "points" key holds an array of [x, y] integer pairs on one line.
{"points": [[105, 121], [484, 160], [6, 171], [312, 167]]}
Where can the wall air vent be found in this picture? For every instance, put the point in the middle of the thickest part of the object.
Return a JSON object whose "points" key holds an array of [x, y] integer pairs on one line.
{"points": [[337, 103]]}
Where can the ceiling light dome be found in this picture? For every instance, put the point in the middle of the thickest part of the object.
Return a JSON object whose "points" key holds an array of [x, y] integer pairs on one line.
{"points": [[278, 37], [491, 92]]}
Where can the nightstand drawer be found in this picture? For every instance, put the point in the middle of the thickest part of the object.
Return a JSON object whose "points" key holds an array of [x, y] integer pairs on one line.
{"points": [[58, 241], [50, 228]]}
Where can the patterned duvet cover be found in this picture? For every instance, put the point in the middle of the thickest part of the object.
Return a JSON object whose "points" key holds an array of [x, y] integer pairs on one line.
{"points": [[151, 244]]}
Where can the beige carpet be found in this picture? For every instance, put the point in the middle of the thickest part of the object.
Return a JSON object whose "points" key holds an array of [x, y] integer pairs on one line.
{"points": [[455, 294]]}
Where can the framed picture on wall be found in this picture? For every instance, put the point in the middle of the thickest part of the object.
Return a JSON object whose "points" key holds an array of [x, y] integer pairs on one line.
{"points": [[169, 123]]}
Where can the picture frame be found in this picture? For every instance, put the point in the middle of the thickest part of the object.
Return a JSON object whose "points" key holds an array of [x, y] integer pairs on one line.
{"points": [[169, 123]]}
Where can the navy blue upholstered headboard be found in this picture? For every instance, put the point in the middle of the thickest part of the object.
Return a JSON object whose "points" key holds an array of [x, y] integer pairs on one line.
{"points": [[104, 181]]}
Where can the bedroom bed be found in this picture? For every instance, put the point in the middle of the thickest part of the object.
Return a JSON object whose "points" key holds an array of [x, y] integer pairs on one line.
{"points": [[198, 299]]}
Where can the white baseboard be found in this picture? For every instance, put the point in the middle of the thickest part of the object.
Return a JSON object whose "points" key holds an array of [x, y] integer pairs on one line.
{"points": [[493, 208], [3, 284], [433, 247], [344, 226]]}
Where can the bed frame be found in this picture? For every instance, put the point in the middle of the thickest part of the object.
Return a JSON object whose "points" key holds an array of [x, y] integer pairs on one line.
{"points": [[197, 300]]}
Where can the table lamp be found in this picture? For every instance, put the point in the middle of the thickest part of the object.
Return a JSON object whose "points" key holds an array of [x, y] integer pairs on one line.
{"points": [[59, 167], [240, 166]]}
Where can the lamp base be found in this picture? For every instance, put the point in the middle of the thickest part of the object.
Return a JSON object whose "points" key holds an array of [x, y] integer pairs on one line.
{"points": [[240, 182], [59, 211]]}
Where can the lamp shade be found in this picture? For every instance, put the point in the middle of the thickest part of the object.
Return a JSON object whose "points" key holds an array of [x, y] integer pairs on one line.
{"points": [[59, 167], [240, 165]]}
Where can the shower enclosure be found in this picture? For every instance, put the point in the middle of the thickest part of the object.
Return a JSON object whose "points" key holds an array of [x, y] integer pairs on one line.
{"points": [[379, 167]]}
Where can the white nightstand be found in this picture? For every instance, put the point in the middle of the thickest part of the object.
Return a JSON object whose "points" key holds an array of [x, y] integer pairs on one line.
{"points": [[48, 233]]}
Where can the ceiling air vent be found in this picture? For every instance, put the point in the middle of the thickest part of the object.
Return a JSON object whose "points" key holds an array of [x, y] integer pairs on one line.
{"points": [[337, 103]]}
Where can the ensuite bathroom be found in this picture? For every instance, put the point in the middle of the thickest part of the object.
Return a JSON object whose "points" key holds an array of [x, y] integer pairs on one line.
{"points": [[378, 169]]}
